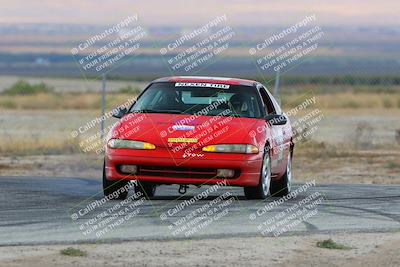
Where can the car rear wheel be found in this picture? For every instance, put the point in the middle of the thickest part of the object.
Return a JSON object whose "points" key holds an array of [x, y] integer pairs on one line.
{"points": [[283, 186], [261, 191], [146, 188], [114, 188]]}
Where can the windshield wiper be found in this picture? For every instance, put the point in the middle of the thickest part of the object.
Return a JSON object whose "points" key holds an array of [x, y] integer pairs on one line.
{"points": [[230, 115], [168, 111]]}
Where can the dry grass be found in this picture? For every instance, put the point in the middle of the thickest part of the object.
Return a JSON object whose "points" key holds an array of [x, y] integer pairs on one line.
{"points": [[73, 252], [346, 100], [61, 101], [38, 146], [342, 100], [314, 149], [392, 165], [322, 150], [330, 244]]}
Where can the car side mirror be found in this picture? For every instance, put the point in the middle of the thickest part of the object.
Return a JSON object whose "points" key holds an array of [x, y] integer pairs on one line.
{"points": [[119, 112], [275, 119]]}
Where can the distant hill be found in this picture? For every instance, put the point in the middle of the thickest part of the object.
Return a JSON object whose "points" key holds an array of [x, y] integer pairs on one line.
{"points": [[44, 50]]}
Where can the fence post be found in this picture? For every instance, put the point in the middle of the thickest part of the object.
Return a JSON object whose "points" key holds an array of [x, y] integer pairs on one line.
{"points": [[103, 104], [276, 88]]}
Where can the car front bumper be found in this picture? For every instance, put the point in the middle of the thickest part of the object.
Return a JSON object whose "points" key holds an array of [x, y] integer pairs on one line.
{"points": [[169, 170]]}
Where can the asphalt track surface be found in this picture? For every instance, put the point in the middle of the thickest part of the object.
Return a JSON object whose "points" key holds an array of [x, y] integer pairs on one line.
{"points": [[39, 210]]}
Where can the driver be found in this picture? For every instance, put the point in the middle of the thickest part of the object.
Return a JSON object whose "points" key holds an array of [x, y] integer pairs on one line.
{"points": [[240, 104], [169, 100]]}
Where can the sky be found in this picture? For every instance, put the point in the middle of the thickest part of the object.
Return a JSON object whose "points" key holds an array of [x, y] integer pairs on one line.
{"points": [[189, 13]]}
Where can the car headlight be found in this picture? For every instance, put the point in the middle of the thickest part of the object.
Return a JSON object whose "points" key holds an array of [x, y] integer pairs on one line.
{"points": [[129, 144], [244, 149]]}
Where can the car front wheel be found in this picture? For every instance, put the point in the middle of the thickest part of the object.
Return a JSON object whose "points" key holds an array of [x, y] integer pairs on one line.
{"points": [[283, 186], [115, 189], [261, 191], [146, 188]]}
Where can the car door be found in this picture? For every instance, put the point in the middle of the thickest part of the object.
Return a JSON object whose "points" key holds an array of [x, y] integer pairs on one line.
{"points": [[286, 134], [279, 149]]}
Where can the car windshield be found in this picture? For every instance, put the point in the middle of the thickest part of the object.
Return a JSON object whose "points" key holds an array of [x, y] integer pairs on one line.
{"points": [[199, 99]]}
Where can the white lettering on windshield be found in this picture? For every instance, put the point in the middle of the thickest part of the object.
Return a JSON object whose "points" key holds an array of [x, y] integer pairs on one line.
{"points": [[211, 85]]}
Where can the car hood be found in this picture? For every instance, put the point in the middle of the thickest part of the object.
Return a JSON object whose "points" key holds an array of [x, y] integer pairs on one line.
{"points": [[171, 130]]}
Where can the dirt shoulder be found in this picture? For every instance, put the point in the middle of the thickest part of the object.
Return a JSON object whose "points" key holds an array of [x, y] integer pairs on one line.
{"points": [[377, 249]]}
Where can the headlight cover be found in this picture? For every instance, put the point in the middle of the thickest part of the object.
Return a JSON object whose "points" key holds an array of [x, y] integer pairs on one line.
{"points": [[129, 144], [231, 148]]}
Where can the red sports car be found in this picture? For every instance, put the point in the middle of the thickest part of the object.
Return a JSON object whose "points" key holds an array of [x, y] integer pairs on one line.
{"points": [[200, 131]]}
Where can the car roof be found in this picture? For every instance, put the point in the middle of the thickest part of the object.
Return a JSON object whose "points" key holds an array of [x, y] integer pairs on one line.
{"points": [[206, 79]]}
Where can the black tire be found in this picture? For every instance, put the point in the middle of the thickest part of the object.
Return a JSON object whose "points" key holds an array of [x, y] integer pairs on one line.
{"points": [[283, 186], [147, 189], [261, 191], [113, 188]]}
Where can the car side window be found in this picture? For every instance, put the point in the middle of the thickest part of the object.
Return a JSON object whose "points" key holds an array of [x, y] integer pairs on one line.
{"points": [[268, 104], [278, 109]]}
